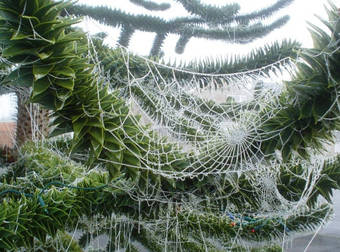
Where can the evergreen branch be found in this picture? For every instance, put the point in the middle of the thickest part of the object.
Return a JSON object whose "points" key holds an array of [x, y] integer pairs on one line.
{"points": [[152, 6], [187, 27], [67, 205], [117, 18], [229, 13], [209, 12], [258, 58], [157, 44], [260, 61], [69, 88], [238, 34], [252, 228], [291, 183], [262, 14], [125, 35], [310, 105]]}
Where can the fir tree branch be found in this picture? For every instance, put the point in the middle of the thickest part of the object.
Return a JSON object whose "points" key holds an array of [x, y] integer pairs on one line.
{"points": [[240, 34], [229, 13], [262, 14], [150, 5], [187, 27], [209, 12]]}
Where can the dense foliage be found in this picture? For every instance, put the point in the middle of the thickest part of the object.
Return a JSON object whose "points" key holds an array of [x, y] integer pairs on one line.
{"points": [[46, 194]]}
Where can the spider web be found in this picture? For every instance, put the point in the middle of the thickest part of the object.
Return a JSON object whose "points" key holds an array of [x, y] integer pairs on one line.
{"points": [[215, 121], [201, 115]]}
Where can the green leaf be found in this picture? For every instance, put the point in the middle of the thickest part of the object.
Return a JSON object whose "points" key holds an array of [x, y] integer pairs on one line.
{"points": [[65, 71], [172, 182], [112, 125], [40, 86], [19, 36], [53, 12], [78, 125], [269, 146], [4, 34], [46, 26], [134, 173], [9, 14], [95, 122], [64, 39], [97, 134], [134, 149], [114, 170], [326, 195], [76, 116], [131, 159], [68, 83], [115, 152], [63, 94], [61, 129], [45, 8], [16, 50], [306, 110], [46, 99], [40, 71], [286, 152], [58, 104], [97, 147], [45, 55]]}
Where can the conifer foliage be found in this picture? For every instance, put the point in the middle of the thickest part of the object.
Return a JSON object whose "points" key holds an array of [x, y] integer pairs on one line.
{"points": [[205, 21], [46, 195]]}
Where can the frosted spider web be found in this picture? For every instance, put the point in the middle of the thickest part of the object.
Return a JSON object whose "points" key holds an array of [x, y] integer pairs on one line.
{"points": [[215, 121], [220, 134]]}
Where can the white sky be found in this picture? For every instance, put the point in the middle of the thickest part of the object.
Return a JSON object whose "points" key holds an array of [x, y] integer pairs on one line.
{"points": [[300, 12]]}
